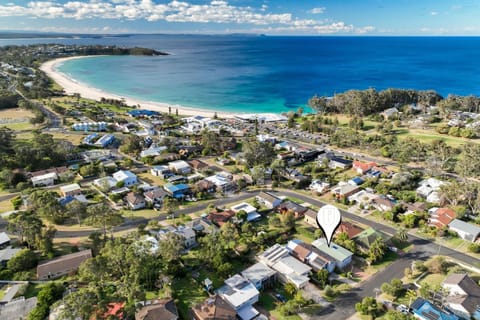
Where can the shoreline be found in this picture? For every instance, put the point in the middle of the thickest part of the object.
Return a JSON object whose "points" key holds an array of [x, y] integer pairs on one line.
{"points": [[71, 86]]}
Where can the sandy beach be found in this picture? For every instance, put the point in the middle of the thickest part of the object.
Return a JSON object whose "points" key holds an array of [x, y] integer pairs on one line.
{"points": [[71, 86]]}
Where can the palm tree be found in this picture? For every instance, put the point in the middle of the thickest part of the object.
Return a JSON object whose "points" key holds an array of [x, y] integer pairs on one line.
{"points": [[411, 295], [290, 289], [402, 234]]}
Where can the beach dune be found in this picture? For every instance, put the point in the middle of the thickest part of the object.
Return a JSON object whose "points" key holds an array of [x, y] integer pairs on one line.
{"points": [[72, 86]]}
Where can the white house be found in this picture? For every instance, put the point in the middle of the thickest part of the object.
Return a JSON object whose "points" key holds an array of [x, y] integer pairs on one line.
{"points": [[105, 182], [289, 269], [319, 186], [268, 200], [135, 201], [125, 176], [180, 167], [463, 296], [251, 211], [70, 190], [161, 171], [465, 230], [241, 294], [47, 179], [260, 275], [152, 151], [188, 234]]}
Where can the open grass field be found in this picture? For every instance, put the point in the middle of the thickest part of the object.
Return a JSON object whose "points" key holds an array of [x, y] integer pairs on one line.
{"points": [[74, 138], [19, 126], [6, 206], [16, 119], [151, 179], [427, 136]]}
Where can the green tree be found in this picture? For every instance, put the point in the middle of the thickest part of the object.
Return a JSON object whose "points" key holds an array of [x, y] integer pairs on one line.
{"points": [[102, 215], [24, 260], [322, 277], [290, 289], [402, 234], [133, 144], [377, 250], [77, 209], [27, 225], [171, 246], [368, 306], [258, 153], [50, 293]]}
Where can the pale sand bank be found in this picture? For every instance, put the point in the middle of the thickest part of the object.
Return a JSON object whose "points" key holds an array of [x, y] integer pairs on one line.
{"points": [[71, 86]]}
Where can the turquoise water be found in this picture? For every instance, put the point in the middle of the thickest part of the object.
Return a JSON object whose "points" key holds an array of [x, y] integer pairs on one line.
{"points": [[277, 74]]}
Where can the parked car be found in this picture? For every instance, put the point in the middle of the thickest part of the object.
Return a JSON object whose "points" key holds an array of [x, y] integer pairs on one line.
{"points": [[403, 309]]}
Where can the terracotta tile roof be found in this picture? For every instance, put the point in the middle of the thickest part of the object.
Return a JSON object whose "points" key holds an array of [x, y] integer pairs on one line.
{"points": [[363, 165], [301, 251], [443, 216], [198, 164], [221, 217], [351, 229]]}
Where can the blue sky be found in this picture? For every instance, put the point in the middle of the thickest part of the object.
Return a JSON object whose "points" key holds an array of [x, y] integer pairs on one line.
{"points": [[299, 17]]}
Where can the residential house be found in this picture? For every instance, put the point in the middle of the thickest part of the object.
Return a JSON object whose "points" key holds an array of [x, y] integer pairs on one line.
{"points": [[205, 186], [319, 186], [155, 195], [58, 170], [362, 197], [241, 294], [339, 163], [202, 226], [352, 230], [289, 206], [44, 180], [105, 140], [363, 167], [4, 239], [135, 201], [389, 113], [7, 254], [70, 190], [180, 167], [152, 151], [289, 269], [429, 189], [303, 155], [463, 296], [18, 308], [356, 181], [342, 256], [310, 217], [260, 275], [163, 172], [440, 217], [294, 175], [125, 176], [222, 183], [177, 191], [310, 255], [214, 308], [415, 207], [219, 218], [105, 183], [164, 309], [268, 200], [383, 204], [365, 238], [425, 310], [175, 179], [251, 211], [62, 265], [344, 190], [188, 234], [198, 165], [466, 231]]}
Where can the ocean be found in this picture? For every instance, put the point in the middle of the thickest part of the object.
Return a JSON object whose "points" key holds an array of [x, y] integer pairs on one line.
{"points": [[246, 73]]}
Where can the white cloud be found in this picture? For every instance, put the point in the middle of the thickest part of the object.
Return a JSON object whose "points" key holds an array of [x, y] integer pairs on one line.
{"points": [[215, 11], [433, 13], [318, 10]]}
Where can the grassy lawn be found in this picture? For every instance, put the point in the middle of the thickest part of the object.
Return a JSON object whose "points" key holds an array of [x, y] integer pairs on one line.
{"points": [[6, 206], [270, 304], [19, 126], [427, 136], [189, 293], [389, 257], [433, 279], [144, 213], [74, 138], [151, 179], [304, 232]]}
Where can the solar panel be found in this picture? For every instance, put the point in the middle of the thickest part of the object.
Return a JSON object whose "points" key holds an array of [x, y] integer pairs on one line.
{"points": [[430, 315]]}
